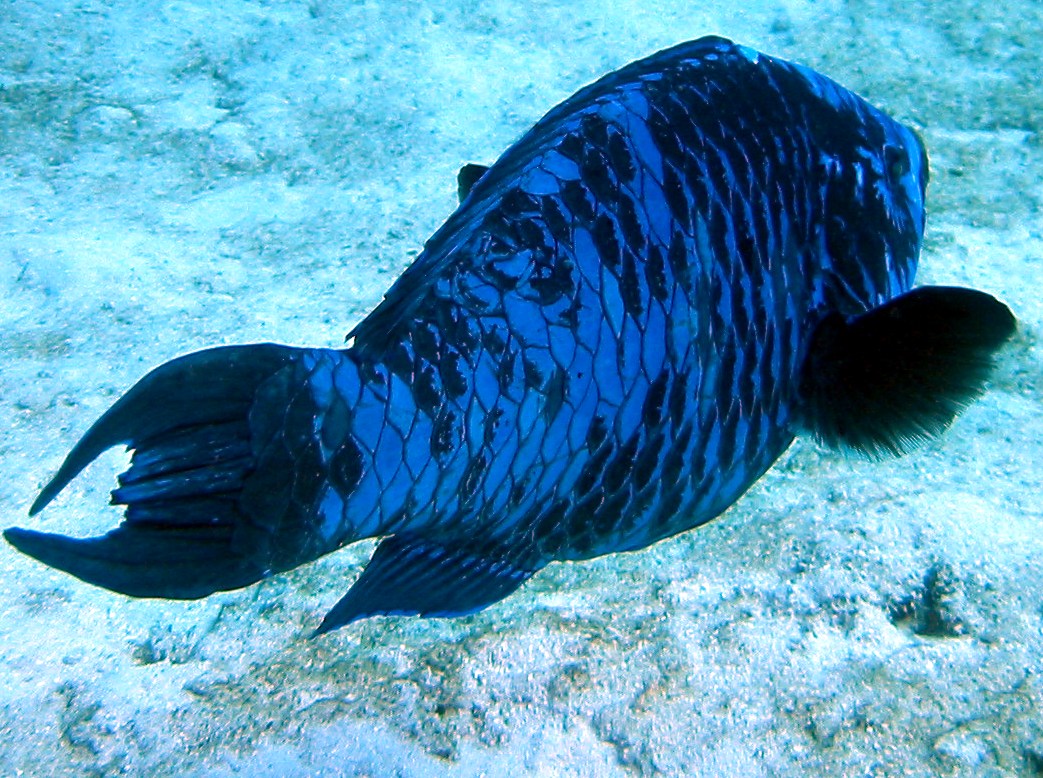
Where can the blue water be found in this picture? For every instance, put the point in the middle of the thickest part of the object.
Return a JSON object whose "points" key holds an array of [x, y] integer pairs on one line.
{"points": [[179, 175]]}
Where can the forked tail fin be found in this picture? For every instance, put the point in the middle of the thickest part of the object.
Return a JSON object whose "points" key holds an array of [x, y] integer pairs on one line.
{"points": [[186, 531]]}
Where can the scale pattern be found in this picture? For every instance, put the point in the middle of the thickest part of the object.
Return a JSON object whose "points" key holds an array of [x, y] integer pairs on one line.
{"points": [[602, 346]]}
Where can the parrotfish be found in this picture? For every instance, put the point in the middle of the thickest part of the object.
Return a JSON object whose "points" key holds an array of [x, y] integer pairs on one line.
{"points": [[626, 321]]}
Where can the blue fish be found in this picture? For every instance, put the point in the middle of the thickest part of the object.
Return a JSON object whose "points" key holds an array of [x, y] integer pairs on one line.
{"points": [[624, 324]]}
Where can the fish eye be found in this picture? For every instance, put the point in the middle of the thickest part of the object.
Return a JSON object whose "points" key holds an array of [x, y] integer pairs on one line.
{"points": [[896, 162]]}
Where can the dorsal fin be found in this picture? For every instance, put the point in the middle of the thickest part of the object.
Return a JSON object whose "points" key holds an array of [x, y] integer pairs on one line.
{"points": [[467, 178]]}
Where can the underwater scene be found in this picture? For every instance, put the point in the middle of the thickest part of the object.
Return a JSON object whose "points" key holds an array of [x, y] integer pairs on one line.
{"points": [[557, 437]]}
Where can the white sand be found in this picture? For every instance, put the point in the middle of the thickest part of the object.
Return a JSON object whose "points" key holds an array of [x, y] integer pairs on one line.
{"points": [[178, 175]]}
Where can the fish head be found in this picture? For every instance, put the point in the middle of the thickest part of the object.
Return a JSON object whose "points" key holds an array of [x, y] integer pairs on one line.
{"points": [[873, 175]]}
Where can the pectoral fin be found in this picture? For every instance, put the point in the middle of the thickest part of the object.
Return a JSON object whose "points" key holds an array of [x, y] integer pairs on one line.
{"points": [[889, 379], [411, 576]]}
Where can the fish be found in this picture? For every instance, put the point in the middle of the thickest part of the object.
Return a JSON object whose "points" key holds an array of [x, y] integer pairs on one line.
{"points": [[629, 317]]}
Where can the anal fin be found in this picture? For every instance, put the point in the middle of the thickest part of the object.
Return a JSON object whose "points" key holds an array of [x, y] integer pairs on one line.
{"points": [[411, 576]]}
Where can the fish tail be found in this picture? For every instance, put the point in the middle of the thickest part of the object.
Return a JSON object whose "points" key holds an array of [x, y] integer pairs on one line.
{"points": [[197, 471], [884, 381]]}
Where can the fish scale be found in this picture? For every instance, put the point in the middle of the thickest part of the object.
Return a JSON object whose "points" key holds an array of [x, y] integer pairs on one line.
{"points": [[710, 263], [625, 323]]}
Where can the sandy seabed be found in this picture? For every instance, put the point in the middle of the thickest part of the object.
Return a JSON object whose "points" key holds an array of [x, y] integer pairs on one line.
{"points": [[179, 175]]}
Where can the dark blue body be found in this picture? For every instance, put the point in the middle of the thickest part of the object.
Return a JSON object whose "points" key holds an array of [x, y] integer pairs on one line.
{"points": [[601, 347]]}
